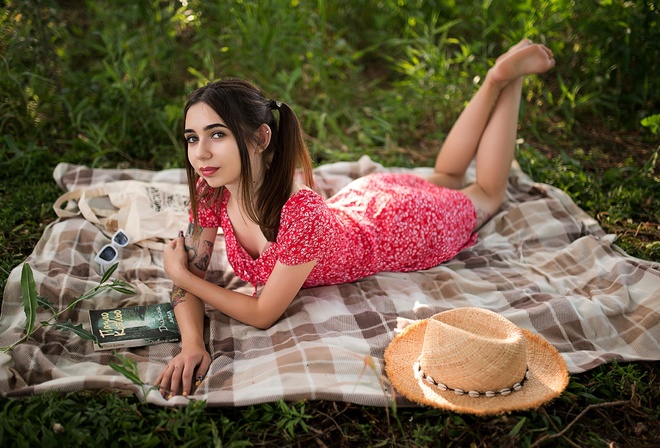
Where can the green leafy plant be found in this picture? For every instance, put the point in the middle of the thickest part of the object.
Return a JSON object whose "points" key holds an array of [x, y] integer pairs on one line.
{"points": [[381, 78], [653, 123], [289, 418], [129, 370], [31, 302]]}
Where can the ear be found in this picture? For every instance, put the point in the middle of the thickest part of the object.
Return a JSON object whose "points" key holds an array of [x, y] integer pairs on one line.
{"points": [[263, 136]]}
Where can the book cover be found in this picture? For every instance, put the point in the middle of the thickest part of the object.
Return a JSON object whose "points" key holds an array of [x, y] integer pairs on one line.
{"points": [[134, 326]]}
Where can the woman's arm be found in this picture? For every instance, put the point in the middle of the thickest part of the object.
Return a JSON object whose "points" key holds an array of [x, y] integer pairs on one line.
{"points": [[282, 286], [194, 360]]}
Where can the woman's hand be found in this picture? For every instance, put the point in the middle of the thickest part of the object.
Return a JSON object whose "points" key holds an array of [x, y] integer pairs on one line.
{"points": [[186, 369], [175, 259]]}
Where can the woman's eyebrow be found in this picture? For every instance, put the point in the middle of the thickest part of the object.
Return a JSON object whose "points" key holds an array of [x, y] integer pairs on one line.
{"points": [[207, 127]]}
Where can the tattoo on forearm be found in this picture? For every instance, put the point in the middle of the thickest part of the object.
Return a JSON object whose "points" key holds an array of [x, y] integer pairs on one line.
{"points": [[202, 263], [191, 251], [200, 258], [194, 232], [178, 296]]}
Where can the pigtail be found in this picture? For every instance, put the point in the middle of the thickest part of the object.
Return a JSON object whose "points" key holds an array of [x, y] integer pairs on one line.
{"points": [[286, 152], [290, 139]]}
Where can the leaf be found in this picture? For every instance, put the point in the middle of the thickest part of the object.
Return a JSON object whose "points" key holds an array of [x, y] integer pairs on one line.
{"points": [[117, 285], [123, 290], [197, 74], [652, 122], [45, 304], [109, 273], [127, 368], [516, 429], [29, 298], [87, 295], [123, 287], [135, 379], [77, 329]]}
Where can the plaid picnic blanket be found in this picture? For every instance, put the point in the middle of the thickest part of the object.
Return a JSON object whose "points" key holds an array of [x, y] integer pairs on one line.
{"points": [[542, 262]]}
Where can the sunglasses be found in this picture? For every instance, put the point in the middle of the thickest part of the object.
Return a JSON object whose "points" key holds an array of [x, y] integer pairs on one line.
{"points": [[109, 253]]}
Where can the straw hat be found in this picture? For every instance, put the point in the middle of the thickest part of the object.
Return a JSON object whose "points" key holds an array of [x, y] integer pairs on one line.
{"points": [[474, 361]]}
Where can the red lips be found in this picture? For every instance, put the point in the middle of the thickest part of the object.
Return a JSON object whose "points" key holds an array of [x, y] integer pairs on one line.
{"points": [[207, 171]]}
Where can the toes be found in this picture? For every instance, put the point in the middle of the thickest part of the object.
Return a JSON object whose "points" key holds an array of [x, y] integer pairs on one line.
{"points": [[522, 44], [515, 48], [548, 51]]}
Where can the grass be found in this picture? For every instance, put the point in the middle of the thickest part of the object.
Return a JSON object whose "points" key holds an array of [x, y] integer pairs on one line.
{"points": [[102, 83], [620, 397]]}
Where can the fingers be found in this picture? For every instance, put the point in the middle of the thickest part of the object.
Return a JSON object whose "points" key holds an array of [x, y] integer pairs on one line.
{"points": [[203, 368], [187, 378], [169, 379], [163, 381], [179, 374], [170, 246], [176, 381], [197, 373], [177, 242], [175, 258]]}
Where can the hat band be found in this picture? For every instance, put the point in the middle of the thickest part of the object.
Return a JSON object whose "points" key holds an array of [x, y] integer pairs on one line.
{"points": [[419, 373]]}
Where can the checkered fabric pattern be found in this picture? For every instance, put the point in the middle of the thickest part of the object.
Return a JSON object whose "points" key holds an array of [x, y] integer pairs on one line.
{"points": [[541, 262]]}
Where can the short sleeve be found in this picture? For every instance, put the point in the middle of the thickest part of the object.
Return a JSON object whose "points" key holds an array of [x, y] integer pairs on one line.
{"points": [[206, 218], [208, 209], [306, 230]]}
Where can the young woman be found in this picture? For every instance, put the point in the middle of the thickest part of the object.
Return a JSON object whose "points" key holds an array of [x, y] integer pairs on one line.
{"points": [[281, 235]]}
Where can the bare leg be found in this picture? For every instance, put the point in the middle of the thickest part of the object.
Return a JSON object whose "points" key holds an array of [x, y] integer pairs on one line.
{"points": [[463, 139], [487, 127], [495, 154]]}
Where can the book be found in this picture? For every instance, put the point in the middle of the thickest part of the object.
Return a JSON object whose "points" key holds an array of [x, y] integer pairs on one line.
{"points": [[134, 326]]}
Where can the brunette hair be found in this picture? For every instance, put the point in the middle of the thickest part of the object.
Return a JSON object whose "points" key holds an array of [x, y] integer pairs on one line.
{"points": [[244, 108]]}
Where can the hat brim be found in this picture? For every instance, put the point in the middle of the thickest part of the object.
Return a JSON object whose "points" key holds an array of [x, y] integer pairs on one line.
{"points": [[547, 378]]}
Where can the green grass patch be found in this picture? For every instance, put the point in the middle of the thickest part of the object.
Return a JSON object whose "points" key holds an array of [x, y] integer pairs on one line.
{"points": [[623, 400], [102, 83]]}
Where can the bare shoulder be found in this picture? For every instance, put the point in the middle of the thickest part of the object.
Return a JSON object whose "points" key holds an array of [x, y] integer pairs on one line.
{"points": [[297, 186]]}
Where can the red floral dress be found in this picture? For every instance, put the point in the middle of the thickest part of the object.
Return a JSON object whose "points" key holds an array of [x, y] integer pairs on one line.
{"points": [[380, 222]]}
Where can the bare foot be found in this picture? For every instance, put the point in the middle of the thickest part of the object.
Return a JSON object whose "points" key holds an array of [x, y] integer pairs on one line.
{"points": [[523, 43], [522, 59]]}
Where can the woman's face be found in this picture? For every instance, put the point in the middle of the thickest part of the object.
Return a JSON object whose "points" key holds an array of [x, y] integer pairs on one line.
{"points": [[212, 148]]}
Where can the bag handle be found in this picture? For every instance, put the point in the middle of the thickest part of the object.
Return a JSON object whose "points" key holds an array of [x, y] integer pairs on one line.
{"points": [[83, 204], [73, 195], [81, 197]]}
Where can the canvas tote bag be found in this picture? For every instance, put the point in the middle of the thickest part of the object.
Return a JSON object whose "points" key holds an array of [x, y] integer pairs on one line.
{"points": [[149, 212]]}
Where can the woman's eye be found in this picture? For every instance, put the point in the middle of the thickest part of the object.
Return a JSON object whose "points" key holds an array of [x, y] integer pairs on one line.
{"points": [[191, 139], [217, 134]]}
